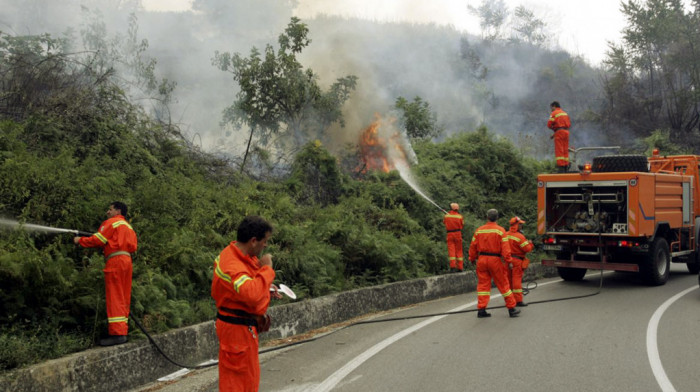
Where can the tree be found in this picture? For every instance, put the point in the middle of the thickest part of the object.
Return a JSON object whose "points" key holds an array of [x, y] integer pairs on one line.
{"points": [[420, 122], [655, 72], [492, 16], [277, 95], [529, 28]]}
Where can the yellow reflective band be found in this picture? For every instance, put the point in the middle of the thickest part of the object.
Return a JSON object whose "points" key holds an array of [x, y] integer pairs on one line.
{"points": [[507, 293], [517, 290], [473, 238], [239, 282], [453, 216], [524, 244], [219, 272], [101, 238], [563, 159], [482, 293], [453, 258], [460, 258], [119, 319], [514, 238], [121, 223], [504, 239], [560, 114], [486, 231]]}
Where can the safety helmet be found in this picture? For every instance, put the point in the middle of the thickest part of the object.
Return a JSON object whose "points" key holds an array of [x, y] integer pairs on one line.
{"points": [[454, 206], [514, 220]]}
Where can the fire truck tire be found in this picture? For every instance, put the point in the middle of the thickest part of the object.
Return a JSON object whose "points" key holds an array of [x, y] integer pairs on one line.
{"points": [[620, 163], [693, 266], [656, 268], [571, 274]]}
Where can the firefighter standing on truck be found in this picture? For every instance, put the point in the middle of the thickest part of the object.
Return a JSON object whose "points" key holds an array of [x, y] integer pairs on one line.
{"points": [[519, 247], [118, 240], [490, 246], [560, 123], [241, 289], [453, 224]]}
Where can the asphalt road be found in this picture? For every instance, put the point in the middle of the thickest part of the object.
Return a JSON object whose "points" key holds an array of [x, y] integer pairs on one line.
{"points": [[628, 337]]}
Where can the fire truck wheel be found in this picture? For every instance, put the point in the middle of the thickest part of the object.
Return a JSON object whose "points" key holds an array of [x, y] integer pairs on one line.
{"points": [[620, 163], [693, 266], [571, 274], [655, 269]]}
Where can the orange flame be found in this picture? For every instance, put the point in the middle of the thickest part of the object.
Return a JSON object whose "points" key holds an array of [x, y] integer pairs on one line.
{"points": [[380, 146]]}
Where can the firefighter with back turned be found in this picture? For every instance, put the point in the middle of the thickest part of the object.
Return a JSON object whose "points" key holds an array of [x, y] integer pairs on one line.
{"points": [[453, 224], [559, 122], [489, 249]]}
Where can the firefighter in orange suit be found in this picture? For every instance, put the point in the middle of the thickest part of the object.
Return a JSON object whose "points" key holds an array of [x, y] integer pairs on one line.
{"points": [[560, 123], [490, 245], [241, 289], [519, 247], [454, 224], [118, 240]]}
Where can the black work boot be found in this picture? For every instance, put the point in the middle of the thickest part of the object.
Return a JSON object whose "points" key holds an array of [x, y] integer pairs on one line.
{"points": [[521, 304], [113, 340], [513, 312], [483, 313]]}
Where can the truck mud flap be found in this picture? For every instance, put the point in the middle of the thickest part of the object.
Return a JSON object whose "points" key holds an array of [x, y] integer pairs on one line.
{"points": [[591, 265]]}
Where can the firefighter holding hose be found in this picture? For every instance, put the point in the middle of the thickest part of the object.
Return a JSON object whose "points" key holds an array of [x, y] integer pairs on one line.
{"points": [[453, 224], [519, 247], [118, 241], [489, 249]]}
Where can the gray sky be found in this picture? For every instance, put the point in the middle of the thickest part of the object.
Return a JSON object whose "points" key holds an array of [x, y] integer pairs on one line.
{"points": [[583, 27]]}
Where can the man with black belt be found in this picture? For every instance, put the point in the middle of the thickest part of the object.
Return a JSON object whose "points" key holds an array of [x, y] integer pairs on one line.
{"points": [[560, 123], [453, 224], [241, 289], [519, 247], [490, 245], [118, 240]]}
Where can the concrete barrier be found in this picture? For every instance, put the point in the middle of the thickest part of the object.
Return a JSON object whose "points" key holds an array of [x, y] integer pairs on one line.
{"points": [[137, 363]]}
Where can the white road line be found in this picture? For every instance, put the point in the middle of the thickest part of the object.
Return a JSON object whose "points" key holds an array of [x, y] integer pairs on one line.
{"points": [[652, 347], [333, 380]]}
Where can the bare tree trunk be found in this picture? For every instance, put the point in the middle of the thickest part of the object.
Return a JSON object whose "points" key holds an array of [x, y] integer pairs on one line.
{"points": [[247, 149]]}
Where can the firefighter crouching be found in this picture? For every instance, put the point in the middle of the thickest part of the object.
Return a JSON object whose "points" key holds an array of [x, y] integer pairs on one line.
{"points": [[453, 224], [490, 244], [241, 289], [519, 247]]}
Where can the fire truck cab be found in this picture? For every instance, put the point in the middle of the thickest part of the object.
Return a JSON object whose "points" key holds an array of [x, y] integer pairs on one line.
{"points": [[622, 213]]}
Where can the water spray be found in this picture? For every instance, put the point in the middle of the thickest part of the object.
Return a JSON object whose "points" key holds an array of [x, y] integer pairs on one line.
{"points": [[10, 224]]}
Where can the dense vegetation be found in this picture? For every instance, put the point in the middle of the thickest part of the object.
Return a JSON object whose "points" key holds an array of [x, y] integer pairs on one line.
{"points": [[75, 136]]}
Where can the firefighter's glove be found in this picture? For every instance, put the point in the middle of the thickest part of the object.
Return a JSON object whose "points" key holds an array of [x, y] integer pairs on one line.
{"points": [[264, 323]]}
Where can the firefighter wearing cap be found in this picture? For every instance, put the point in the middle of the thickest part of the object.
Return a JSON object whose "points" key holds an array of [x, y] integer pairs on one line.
{"points": [[118, 241], [560, 123], [489, 249], [241, 290], [453, 224], [519, 247]]}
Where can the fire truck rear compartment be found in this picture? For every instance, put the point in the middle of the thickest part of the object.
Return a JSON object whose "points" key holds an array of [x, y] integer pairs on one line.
{"points": [[600, 209]]}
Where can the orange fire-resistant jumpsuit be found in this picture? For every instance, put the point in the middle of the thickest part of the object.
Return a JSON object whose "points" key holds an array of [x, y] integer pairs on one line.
{"points": [[560, 123], [118, 240], [519, 247], [489, 244], [239, 284], [454, 224]]}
